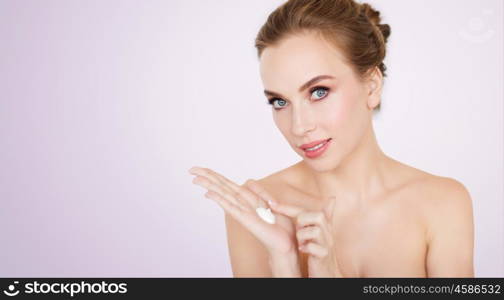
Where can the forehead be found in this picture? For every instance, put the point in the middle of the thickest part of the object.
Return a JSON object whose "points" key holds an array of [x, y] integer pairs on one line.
{"points": [[299, 58]]}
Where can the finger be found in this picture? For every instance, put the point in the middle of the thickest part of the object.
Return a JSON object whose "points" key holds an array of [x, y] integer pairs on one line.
{"points": [[314, 249], [206, 183], [289, 210], [329, 208], [310, 233], [204, 172], [309, 218], [238, 192], [232, 185], [211, 175], [248, 195], [244, 192], [260, 191], [231, 208]]}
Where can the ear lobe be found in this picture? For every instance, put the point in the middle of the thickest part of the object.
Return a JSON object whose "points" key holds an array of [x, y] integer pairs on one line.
{"points": [[373, 101]]}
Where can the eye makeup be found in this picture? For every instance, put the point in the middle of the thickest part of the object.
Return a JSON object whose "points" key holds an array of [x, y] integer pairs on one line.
{"points": [[271, 101]]}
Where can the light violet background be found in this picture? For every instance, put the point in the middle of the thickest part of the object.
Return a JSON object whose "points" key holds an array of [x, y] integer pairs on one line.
{"points": [[105, 105]]}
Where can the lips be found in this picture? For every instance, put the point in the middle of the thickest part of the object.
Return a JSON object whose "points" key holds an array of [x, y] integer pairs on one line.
{"points": [[317, 150], [312, 144]]}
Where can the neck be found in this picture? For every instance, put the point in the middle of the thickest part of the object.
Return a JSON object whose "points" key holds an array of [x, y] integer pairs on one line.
{"points": [[360, 176]]}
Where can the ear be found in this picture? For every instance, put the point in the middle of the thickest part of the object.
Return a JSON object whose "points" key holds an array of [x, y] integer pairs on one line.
{"points": [[374, 88]]}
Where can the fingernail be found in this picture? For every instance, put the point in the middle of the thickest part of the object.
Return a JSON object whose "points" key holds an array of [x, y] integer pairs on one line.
{"points": [[192, 169]]}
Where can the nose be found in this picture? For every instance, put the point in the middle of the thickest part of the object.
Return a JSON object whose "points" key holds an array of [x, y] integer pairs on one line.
{"points": [[302, 120]]}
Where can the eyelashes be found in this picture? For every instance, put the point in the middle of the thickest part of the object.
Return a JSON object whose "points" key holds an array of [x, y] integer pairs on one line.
{"points": [[272, 101]]}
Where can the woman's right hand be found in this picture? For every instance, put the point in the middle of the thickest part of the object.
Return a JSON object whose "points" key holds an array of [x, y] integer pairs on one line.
{"points": [[241, 203]]}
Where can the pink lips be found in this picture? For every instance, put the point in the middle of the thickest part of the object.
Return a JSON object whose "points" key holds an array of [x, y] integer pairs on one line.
{"points": [[315, 143], [317, 152]]}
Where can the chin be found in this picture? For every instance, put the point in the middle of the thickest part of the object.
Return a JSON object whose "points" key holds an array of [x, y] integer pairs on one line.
{"points": [[322, 164]]}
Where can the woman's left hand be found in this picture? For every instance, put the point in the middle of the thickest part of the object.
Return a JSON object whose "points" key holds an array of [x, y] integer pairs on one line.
{"points": [[314, 234]]}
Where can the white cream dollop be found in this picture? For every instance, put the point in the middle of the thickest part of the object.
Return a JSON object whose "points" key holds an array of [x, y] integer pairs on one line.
{"points": [[266, 215]]}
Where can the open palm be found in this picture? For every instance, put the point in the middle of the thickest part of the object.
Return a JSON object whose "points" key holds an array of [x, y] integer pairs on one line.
{"points": [[241, 203]]}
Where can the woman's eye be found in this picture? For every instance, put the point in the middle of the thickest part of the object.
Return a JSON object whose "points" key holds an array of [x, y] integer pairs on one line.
{"points": [[319, 92], [278, 103]]}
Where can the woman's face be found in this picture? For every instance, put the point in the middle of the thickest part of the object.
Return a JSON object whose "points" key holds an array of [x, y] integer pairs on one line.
{"points": [[338, 107]]}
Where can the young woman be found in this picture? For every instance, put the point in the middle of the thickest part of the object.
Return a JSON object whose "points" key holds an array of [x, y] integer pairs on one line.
{"points": [[346, 209]]}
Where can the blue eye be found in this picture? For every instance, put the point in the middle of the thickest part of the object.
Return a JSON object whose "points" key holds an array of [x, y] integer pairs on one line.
{"points": [[319, 91], [277, 103]]}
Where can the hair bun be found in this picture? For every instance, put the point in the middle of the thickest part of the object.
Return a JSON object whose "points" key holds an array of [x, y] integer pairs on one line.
{"points": [[372, 14], [374, 17]]}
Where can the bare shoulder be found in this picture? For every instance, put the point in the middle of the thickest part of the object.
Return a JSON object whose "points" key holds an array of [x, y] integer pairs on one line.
{"points": [[442, 192], [446, 207], [442, 201], [450, 197], [430, 189]]}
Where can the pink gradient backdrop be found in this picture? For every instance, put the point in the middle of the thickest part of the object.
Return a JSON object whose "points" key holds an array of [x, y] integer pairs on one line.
{"points": [[105, 105]]}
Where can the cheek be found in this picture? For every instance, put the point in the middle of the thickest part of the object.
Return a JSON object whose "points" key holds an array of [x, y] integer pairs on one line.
{"points": [[282, 123], [332, 115], [342, 119]]}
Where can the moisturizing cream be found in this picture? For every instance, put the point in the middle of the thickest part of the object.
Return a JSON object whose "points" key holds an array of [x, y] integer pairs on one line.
{"points": [[266, 215]]}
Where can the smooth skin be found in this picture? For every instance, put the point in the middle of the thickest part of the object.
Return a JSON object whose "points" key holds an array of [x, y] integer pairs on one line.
{"points": [[354, 211], [309, 231]]}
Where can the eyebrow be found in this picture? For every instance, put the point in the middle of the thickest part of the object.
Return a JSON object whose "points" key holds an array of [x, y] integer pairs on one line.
{"points": [[303, 87]]}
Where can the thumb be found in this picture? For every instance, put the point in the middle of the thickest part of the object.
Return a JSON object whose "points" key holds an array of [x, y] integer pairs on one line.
{"points": [[286, 209]]}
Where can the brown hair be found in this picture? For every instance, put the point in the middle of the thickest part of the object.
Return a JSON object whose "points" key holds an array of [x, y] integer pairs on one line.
{"points": [[350, 26]]}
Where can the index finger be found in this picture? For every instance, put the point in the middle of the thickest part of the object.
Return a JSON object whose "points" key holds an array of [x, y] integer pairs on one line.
{"points": [[289, 210], [235, 190], [329, 207]]}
